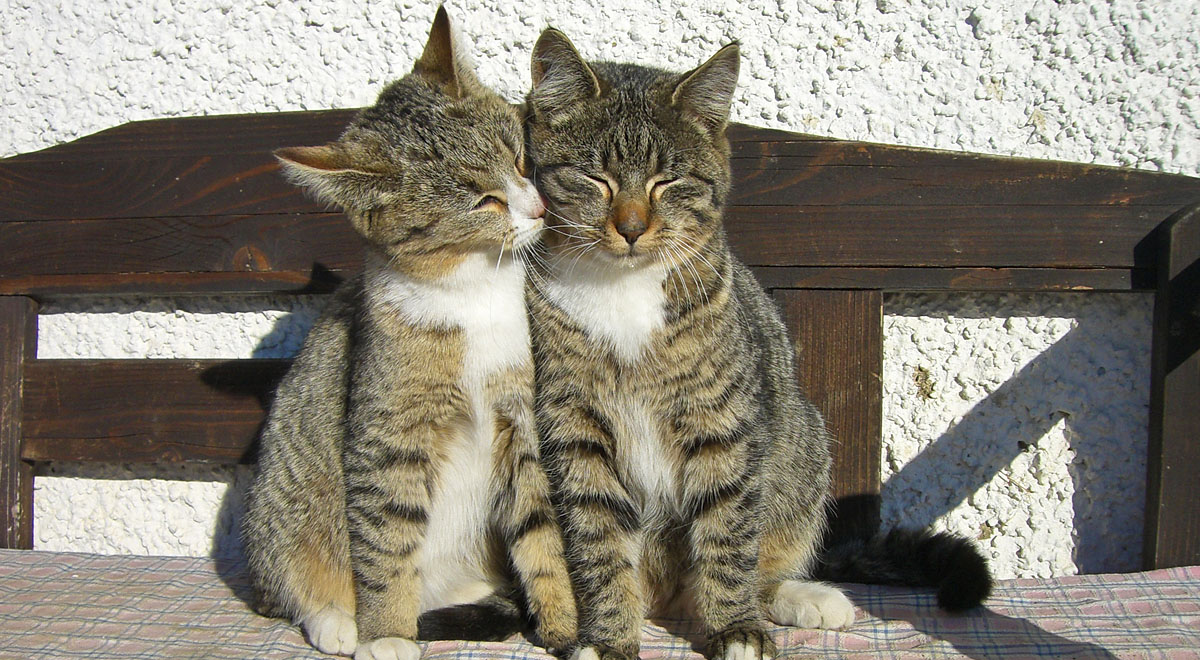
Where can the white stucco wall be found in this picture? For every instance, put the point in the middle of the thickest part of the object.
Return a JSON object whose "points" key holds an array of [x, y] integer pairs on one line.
{"points": [[1019, 420]]}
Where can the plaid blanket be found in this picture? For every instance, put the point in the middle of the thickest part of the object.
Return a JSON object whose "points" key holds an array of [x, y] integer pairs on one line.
{"points": [[59, 605]]}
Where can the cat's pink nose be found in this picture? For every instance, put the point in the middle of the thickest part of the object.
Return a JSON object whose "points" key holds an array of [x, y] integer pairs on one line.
{"points": [[539, 207], [631, 220]]}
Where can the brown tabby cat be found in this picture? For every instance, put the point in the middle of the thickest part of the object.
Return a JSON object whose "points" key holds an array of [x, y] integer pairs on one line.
{"points": [[688, 469], [399, 466]]}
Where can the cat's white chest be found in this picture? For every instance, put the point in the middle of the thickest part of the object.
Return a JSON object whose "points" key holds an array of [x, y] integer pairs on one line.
{"points": [[642, 460], [484, 300], [486, 303], [617, 307]]}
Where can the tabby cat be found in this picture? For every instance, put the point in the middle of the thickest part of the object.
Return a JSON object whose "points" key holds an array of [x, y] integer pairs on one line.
{"points": [[399, 469], [688, 469]]}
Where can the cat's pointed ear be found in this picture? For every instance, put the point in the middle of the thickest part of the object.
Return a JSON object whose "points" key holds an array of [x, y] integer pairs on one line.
{"points": [[706, 92], [561, 79], [444, 61], [333, 174]]}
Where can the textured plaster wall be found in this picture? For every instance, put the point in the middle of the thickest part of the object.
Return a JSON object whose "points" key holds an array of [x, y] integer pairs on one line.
{"points": [[1019, 420]]}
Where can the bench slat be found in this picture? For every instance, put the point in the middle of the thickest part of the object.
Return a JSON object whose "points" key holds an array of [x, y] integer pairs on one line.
{"points": [[18, 341], [963, 237], [1172, 535], [141, 411], [134, 184], [110, 255], [838, 337], [193, 244], [828, 236], [202, 195], [956, 279]]}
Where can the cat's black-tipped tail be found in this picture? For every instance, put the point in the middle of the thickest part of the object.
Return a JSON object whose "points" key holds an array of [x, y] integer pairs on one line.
{"points": [[912, 558], [492, 619]]}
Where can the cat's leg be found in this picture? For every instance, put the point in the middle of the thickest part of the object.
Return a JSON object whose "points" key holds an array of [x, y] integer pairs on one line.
{"points": [[532, 533], [388, 467], [724, 539], [317, 592], [600, 525], [324, 588], [786, 553]]}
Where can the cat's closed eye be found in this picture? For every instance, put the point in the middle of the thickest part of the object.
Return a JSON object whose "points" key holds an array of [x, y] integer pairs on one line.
{"points": [[657, 185], [607, 186], [491, 202]]}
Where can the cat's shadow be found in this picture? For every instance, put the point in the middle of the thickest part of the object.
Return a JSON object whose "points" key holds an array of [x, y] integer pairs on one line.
{"points": [[987, 635], [1009, 421]]}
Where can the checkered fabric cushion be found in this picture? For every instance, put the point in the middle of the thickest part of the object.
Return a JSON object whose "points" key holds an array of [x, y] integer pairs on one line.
{"points": [[60, 605]]}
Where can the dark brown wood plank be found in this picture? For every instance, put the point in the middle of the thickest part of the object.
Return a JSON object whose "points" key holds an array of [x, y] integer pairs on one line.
{"points": [[762, 236], [205, 411], [18, 342], [142, 187], [964, 237], [940, 179], [839, 344], [222, 165], [257, 243], [324, 280], [1173, 460], [137, 185], [183, 195], [319, 280], [956, 279]]}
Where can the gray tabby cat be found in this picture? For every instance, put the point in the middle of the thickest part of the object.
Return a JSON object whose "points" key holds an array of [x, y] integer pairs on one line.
{"points": [[399, 467], [688, 469]]}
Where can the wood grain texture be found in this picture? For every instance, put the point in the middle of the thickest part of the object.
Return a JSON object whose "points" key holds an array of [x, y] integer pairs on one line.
{"points": [[1172, 535], [291, 244], [18, 341], [144, 411], [839, 345], [962, 237], [203, 195], [901, 278], [319, 280]]}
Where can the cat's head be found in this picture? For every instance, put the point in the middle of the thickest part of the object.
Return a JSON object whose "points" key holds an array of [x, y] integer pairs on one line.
{"points": [[431, 173], [633, 160]]}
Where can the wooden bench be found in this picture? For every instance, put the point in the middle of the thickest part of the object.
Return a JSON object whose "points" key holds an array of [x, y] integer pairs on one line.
{"points": [[196, 206]]}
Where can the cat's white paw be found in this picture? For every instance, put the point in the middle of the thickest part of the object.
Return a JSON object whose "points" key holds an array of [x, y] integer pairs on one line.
{"points": [[332, 631], [811, 605], [585, 653], [388, 648], [740, 651]]}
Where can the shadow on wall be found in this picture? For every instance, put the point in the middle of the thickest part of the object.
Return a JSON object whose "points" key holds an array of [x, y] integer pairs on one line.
{"points": [[1106, 473]]}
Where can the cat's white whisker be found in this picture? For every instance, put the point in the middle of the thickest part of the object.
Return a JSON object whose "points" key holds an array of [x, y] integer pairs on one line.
{"points": [[500, 257]]}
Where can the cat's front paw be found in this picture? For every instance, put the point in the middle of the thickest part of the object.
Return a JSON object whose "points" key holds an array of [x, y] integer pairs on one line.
{"points": [[388, 648], [811, 605], [600, 652], [556, 640], [332, 631], [741, 643]]}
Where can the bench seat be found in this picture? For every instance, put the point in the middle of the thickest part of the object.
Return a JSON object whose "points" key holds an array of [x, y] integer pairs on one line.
{"points": [[67, 605]]}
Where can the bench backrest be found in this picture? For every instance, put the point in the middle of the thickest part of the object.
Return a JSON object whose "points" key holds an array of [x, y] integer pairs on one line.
{"points": [[196, 205]]}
